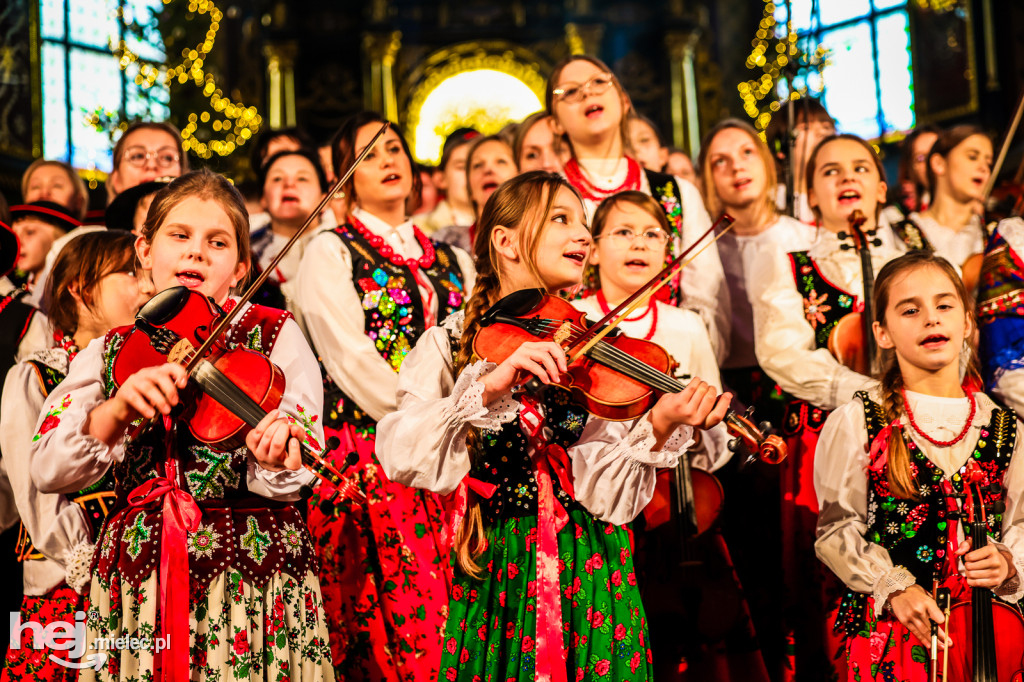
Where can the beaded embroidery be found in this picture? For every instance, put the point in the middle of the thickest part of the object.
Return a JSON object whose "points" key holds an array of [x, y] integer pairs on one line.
{"points": [[818, 294]]}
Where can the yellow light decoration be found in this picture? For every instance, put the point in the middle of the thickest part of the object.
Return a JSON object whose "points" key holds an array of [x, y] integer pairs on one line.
{"points": [[240, 122]]}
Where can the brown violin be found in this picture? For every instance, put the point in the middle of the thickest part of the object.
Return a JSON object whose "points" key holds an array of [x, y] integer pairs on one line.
{"points": [[851, 341], [618, 378]]}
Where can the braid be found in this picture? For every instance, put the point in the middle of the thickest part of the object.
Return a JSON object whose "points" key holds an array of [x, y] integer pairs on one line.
{"points": [[898, 472]]}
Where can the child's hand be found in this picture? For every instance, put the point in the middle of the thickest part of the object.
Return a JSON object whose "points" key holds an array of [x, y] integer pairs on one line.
{"points": [[916, 609], [150, 391], [697, 405], [985, 567], [543, 359], [275, 442]]}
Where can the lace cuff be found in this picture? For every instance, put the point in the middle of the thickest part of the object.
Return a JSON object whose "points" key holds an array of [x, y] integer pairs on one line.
{"points": [[78, 565], [467, 401], [895, 579], [1011, 590], [639, 443]]}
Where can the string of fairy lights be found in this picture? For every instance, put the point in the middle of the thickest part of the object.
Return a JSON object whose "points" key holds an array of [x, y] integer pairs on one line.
{"points": [[232, 123], [771, 53]]}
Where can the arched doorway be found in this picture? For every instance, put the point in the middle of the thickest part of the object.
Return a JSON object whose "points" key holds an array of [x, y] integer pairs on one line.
{"points": [[482, 84]]}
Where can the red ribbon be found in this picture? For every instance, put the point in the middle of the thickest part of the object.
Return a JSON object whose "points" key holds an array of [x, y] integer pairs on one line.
{"points": [[551, 518], [180, 515], [879, 453]]}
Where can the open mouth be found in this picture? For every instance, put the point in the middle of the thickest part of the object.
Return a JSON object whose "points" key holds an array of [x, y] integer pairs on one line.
{"points": [[593, 110], [393, 177], [490, 186], [289, 198], [577, 257], [740, 184], [636, 264], [934, 341], [190, 278], [849, 196]]}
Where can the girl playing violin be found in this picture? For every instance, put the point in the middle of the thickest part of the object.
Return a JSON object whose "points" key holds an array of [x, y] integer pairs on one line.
{"points": [[631, 236], [590, 111], [797, 299], [193, 524], [959, 165], [368, 290], [92, 289], [889, 464], [544, 584]]}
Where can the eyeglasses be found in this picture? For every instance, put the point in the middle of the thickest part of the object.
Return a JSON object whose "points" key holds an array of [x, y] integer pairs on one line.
{"points": [[652, 238], [574, 92], [138, 156]]}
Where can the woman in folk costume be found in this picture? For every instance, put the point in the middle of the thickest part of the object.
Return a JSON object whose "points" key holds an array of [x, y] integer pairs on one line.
{"points": [[590, 111], [888, 471], [367, 291], [93, 289], [798, 298], [544, 586], [204, 547]]}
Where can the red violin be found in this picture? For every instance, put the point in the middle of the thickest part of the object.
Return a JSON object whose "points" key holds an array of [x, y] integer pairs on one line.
{"points": [[618, 378], [237, 386]]}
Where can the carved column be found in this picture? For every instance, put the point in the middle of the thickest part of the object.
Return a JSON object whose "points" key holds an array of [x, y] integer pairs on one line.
{"points": [[281, 83], [381, 50], [681, 47]]}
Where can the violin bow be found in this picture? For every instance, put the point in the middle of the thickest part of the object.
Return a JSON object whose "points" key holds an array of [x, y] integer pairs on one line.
{"points": [[1010, 132], [258, 282], [594, 333]]}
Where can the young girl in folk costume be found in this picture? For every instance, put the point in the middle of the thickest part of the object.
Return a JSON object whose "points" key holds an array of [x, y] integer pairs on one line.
{"points": [[368, 290], [194, 525], [55, 181], [889, 464], [93, 289], [797, 298], [1001, 314], [293, 185], [959, 165], [631, 236], [544, 587], [912, 175], [590, 110]]}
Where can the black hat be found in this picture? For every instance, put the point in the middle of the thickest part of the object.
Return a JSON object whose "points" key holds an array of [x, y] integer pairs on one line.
{"points": [[121, 211], [9, 248], [48, 212]]}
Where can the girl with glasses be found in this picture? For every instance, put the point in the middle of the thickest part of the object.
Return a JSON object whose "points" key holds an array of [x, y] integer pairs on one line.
{"points": [[591, 110], [146, 151]]}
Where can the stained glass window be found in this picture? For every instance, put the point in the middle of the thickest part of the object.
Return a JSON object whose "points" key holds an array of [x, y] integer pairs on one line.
{"points": [[866, 83], [80, 74]]}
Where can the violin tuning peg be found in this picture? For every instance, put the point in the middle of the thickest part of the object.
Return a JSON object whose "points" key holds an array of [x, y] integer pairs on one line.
{"points": [[994, 487], [765, 427], [733, 445], [876, 242], [843, 235], [997, 507], [846, 247], [749, 412]]}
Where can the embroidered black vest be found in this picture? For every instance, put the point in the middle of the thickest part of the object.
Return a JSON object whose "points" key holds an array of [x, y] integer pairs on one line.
{"points": [[254, 535], [666, 192], [96, 500], [910, 234], [914, 531], [502, 459], [824, 305], [393, 311]]}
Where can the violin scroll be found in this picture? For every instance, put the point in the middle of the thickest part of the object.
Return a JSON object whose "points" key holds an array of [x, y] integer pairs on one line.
{"points": [[768, 448]]}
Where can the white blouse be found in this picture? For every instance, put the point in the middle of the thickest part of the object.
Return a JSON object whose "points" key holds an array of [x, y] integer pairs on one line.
{"points": [[67, 459], [703, 281], [956, 246], [332, 311], [423, 443], [738, 253], [682, 333], [57, 526], [841, 484], [783, 338]]}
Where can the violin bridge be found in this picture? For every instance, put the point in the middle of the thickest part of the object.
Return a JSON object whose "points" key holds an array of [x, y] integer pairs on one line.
{"points": [[181, 352], [563, 334]]}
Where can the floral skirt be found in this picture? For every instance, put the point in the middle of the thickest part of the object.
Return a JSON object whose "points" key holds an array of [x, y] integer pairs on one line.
{"points": [[29, 663], [492, 626], [886, 652], [382, 573], [273, 633]]}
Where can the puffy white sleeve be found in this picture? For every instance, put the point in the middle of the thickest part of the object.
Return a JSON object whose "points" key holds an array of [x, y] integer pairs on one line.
{"points": [[705, 290], [423, 443], [333, 315], [841, 484], [64, 457], [1013, 521], [303, 402], [37, 337], [614, 466], [1009, 388], [784, 340], [55, 524]]}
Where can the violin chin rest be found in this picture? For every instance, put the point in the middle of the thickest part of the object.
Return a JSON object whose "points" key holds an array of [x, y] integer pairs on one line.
{"points": [[515, 304], [164, 306]]}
